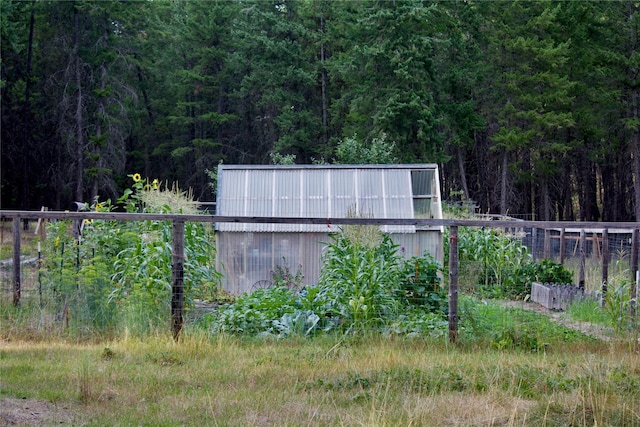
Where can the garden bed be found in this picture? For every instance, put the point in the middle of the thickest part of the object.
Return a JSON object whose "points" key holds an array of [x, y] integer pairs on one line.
{"points": [[557, 297]]}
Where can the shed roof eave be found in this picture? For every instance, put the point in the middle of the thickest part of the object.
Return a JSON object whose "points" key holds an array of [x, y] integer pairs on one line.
{"points": [[332, 166]]}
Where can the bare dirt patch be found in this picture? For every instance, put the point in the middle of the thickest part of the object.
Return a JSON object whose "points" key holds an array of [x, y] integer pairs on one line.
{"points": [[31, 412]]}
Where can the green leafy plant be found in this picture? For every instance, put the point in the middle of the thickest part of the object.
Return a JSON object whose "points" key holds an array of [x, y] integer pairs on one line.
{"points": [[351, 150], [118, 274], [253, 313], [298, 323], [359, 278], [496, 264], [417, 321], [282, 159], [517, 284], [548, 271], [421, 284], [487, 256]]}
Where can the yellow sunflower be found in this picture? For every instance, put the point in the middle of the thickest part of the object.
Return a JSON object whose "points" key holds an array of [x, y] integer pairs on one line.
{"points": [[136, 177]]}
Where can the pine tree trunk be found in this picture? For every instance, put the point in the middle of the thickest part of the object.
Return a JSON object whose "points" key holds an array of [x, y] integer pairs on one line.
{"points": [[325, 131], [78, 116], [463, 175], [99, 155], [151, 120], [635, 144], [503, 184], [26, 143], [546, 200], [635, 93]]}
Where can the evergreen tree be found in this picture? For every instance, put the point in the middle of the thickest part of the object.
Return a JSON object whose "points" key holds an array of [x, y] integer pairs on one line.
{"points": [[277, 93], [534, 92], [389, 77], [192, 92], [530, 107], [461, 69]]}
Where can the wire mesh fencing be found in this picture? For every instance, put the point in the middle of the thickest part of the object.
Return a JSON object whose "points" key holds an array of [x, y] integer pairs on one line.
{"points": [[70, 285]]}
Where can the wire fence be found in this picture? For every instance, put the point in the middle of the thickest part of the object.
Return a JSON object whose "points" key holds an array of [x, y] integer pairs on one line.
{"points": [[493, 263], [584, 252]]}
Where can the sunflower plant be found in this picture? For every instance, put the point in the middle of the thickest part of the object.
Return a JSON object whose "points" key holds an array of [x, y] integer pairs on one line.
{"points": [[123, 269]]}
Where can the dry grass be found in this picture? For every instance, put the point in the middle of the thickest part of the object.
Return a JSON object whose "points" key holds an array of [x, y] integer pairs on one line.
{"points": [[206, 380], [171, 197], [364, 382]]}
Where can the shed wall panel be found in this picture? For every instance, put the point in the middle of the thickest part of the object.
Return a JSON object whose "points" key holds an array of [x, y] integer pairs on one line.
{"points": [[249, 253], [248, 258]]}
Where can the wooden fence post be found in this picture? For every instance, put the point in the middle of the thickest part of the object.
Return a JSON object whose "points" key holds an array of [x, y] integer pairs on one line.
{"points": [[634, 270], [605, 261], [563, 246], [16, 261], [177, 279], [583, 254], [453, 283], [547, 244]]}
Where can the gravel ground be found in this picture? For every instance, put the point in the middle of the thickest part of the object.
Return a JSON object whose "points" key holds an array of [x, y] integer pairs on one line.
{"points": [[31, 412]]}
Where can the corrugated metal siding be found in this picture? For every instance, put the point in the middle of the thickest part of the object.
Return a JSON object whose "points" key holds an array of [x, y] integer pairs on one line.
{"points": [[248, 258], [304, 193], [419, 243], [249, 253]]}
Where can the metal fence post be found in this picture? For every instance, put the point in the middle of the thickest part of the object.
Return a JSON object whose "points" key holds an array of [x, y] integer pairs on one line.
{"points": [[177, 286], [583, 254], [634, 271], [453, 283]]}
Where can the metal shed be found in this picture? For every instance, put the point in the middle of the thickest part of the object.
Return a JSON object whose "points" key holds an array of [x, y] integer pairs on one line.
{"points": [[249, 253]]}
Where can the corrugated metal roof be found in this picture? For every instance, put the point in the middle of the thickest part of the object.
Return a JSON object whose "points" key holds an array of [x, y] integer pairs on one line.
{"points": [[319, 191]]}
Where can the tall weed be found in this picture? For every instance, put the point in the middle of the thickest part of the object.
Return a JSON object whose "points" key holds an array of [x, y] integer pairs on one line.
{"points": [[617, 307]]}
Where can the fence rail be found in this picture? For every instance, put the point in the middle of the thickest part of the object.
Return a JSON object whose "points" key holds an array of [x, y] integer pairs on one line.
{"points": [[495, 223], [601, 229]]}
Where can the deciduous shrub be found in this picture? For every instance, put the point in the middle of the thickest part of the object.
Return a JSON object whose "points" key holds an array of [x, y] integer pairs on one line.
{"points": [[517, 285]]}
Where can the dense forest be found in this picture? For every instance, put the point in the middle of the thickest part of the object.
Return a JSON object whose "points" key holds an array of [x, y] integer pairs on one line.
{"points": [[529, 107]]}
